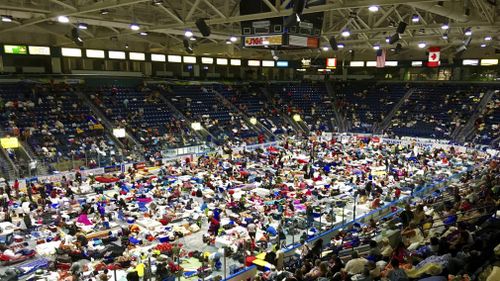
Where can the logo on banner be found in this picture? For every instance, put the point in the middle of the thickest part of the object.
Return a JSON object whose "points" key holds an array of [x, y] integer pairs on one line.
{"points": [[263, 40], [434, 57]]}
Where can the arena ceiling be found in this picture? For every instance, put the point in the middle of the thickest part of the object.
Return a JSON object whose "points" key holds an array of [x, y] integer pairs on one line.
{"points": [[35, 22]]}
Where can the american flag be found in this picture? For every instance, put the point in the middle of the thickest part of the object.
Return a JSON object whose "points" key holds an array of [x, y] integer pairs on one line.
{"points": [[380, 58]]}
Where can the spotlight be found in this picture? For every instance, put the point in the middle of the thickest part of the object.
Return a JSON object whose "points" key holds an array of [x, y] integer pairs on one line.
{"points": [[422, 45], [487, 38], [104, 12], [415, 18], [326, 49], [445, 26], [376, 47], [483, 45], [135, 26], [233, 39], [346, 33], [6, 18], [188, 33], [83, 26], [144, 33], [468, 32], [187, 46], [75, 36], [340, 45], [373, 8], [63, 19], [445, 36]]}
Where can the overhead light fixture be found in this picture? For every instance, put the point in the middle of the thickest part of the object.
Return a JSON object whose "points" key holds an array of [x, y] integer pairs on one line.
{"points": [[373, 8], [192, 38], [228, 42], [144, 33], [415, 18], [445, 36], [63, 19], [7, 18], [157, 2], [298, 17], [422, 45], [346, 33], [233, 38], [325, 48], [83, 26], [188, 33], [340, 45], [487, 38], [376, 47], [468, 32], [135, 26], [445, 26], [483, 45], [104, 12], [387, 39], [126, 46]]}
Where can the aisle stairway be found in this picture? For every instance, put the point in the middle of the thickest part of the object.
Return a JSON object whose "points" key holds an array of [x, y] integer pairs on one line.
{"points": [[384, 124], [468, 129], [258, 127]]}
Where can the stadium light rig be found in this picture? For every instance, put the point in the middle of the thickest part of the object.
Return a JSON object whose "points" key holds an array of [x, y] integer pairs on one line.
{"points": [[63, 19], [135, 26], [7, 18]]}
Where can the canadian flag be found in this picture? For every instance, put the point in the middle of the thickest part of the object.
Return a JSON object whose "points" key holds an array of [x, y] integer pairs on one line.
{"points": [[434, 53]]}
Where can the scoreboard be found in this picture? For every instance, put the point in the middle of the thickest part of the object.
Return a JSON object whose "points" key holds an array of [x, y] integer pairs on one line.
{"points": [[272, 32]]}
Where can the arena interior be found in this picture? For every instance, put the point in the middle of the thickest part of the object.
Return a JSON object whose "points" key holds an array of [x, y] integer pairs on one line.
{"points": [[280, 140]]}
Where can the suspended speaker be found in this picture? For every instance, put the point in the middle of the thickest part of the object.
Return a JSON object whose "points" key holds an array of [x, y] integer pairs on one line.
{"points": [[298, 6], [401, 27], [398, 48], [333, 43], [203, 27], [290, 21], [394, 38]]}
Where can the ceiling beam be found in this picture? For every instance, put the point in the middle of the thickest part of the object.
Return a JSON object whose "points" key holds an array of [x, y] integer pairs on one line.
{"points": [[191, 11], [65, 5], [215, 10], [283, 6], [171, 14], [384, 16], [108, 4], [270, 6]]}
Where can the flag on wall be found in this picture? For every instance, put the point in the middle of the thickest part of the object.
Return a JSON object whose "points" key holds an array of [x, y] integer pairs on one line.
{"points": [[434, 54], [380, 58]]}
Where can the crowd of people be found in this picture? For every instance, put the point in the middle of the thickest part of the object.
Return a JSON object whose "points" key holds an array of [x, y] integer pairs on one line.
{"points": [[435, 111], [183, 217]]}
